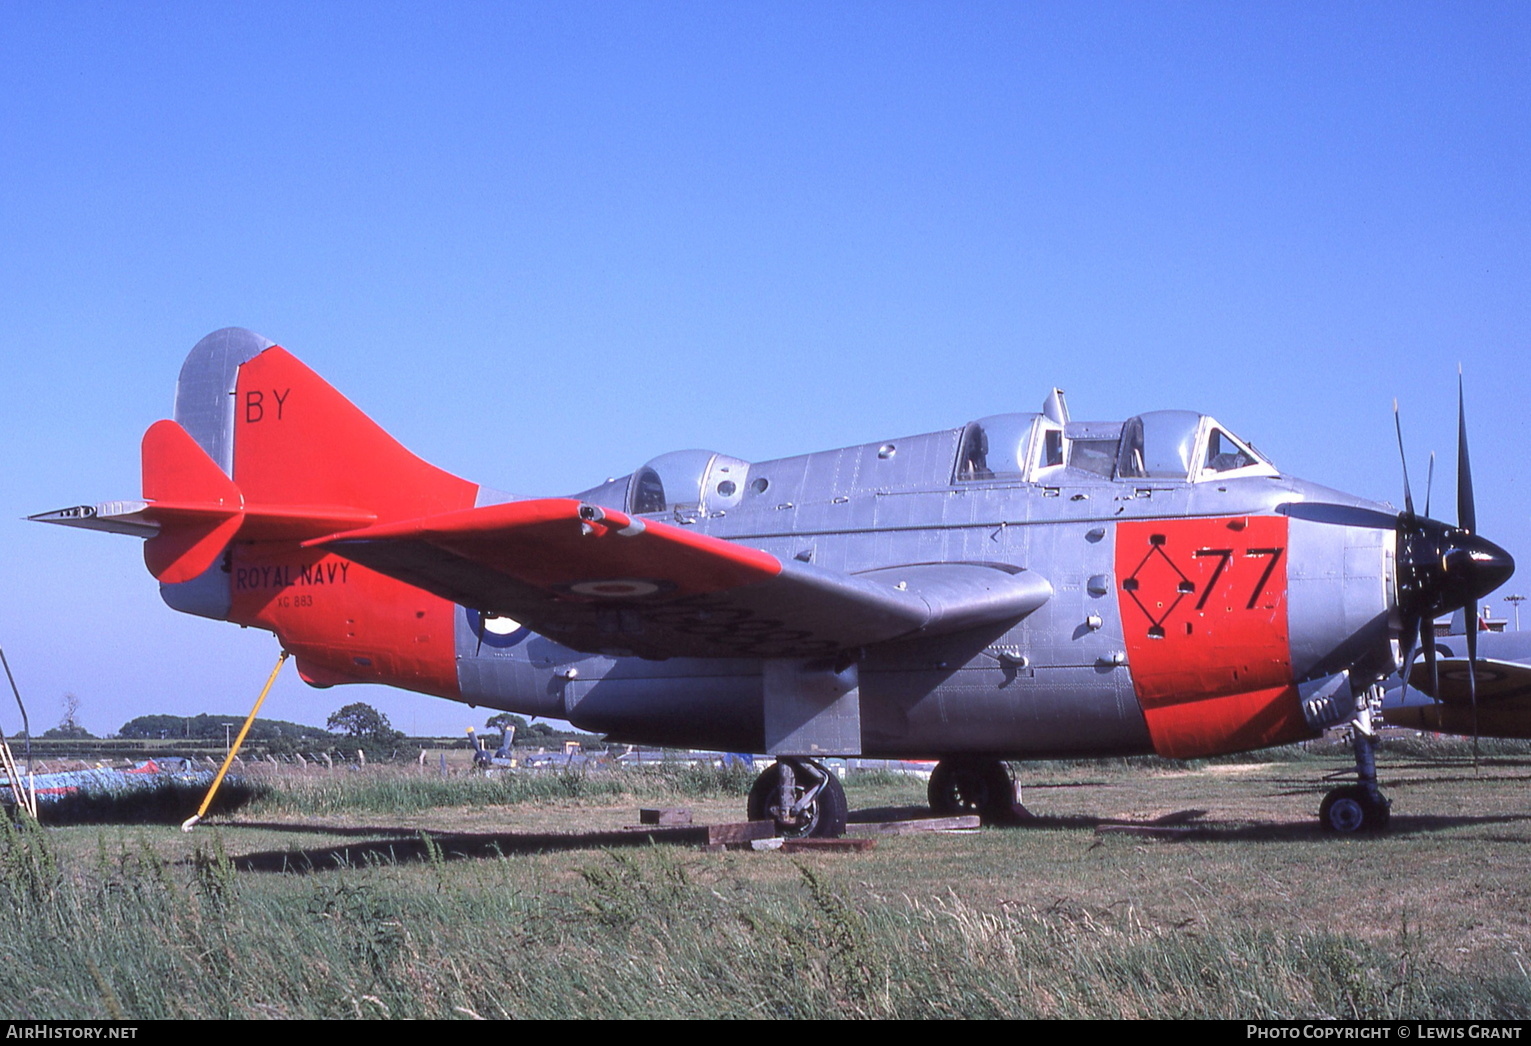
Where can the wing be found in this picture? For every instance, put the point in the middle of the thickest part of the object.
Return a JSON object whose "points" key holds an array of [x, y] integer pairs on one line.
{"points": [[602, 581], [1498, 681], [1504, 699]]}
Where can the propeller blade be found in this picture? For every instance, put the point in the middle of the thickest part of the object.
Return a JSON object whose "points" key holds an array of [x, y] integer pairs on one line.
{"points": [[1427, 637], [1408, 497], [1472, 671], [1338, 515], [1409, 631], [1467, 513], [1443, 568], [1429, 482]]}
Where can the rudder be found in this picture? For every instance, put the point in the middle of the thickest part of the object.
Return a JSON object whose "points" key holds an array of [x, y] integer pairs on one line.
{"points": [[299, 443]]}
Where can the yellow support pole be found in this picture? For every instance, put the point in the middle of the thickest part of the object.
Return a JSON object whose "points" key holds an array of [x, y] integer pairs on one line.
{"points": [[228, 760]]}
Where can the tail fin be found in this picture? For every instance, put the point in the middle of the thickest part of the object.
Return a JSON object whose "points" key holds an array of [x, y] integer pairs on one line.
{"points": [[305, 461], [262, 449], [304, 452], [262, 456], [197, 507]]}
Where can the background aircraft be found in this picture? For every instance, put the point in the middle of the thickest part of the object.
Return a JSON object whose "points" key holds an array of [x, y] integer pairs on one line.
{"points": [[1022, 586], [1488, 696]]}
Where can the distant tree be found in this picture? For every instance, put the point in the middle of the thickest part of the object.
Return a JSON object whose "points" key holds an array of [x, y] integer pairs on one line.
{"points": [[358, 719], [154, 727], [210, 727], [69, 727], [504, 719], [368, 727], [71, 732]]}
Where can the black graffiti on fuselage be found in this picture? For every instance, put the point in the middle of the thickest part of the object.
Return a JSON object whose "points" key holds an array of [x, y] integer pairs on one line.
{"points": [[285, 575]]}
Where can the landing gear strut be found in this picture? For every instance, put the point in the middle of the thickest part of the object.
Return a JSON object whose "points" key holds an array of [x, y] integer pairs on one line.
{"points": [[1359, 807], [973, 786], [803, 797]]}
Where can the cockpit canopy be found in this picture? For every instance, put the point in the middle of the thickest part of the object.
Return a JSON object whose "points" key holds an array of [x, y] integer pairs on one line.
{"points": [[1047, 448], [1160, 445], [687, 483]]}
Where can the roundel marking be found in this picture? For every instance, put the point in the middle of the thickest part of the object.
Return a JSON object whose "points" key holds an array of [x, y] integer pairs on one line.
{"points": [[499, 625], [495, 630], [1490, 682]]}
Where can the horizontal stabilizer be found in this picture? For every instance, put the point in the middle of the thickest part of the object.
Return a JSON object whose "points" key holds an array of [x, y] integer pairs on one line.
{"points": [[191, 510], [114, 517], [599, 580]]}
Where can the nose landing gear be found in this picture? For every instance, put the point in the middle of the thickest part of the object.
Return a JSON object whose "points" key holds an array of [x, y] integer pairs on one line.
{"points": [[1359, 807]]}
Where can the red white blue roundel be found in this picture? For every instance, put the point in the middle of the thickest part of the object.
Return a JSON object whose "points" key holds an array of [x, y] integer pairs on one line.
{"points": [[496, 630]]}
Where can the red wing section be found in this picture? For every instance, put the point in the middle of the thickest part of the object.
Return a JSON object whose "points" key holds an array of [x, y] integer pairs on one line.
{"points": [[1204, 616], [599, 580]]}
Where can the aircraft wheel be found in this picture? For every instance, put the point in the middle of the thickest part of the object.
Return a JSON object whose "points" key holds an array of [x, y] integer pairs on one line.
{"points": [[1350, 809], [823, 817], [972, 786]]}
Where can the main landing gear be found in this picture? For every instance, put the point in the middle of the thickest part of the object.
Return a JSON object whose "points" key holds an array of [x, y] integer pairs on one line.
{"points": [[973, 786], [1359, 807], [803, 797]]}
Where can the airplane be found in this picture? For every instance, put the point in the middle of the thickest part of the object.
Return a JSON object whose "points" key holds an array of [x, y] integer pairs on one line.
{"points": [[1484, 696], [1023, 586]]}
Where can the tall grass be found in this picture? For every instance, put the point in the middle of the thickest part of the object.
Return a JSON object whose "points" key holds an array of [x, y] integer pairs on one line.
{"points": [[635, 935], [1046, 922], [403, 789]]}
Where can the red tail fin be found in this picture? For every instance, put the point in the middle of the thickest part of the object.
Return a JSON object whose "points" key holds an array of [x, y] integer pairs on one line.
{"points": [[307, 463], [301, 445], [307, 460], [197, 507]]}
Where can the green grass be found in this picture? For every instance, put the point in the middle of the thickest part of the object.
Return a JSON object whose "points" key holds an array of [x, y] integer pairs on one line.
{"points": [[646, 933], [409, 789], [1256, 914]]}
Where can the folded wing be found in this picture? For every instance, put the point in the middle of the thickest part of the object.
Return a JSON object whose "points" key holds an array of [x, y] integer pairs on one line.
{"points": [[599, 580]]}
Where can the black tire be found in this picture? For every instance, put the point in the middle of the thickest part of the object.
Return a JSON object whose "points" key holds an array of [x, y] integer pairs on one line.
{"points": [[825, 818], [1350, 809], [972, 786]]}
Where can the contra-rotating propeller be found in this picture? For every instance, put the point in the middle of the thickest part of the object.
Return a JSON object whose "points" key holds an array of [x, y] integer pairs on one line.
{"points": [[1440, 567], [1443, 568]]}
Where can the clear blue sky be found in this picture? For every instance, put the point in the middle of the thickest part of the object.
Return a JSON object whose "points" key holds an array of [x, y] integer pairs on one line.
{"points": [[542, 243]]}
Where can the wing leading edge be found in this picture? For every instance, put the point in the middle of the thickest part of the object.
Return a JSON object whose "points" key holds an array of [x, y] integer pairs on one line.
{"points": [[602, 581]]}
